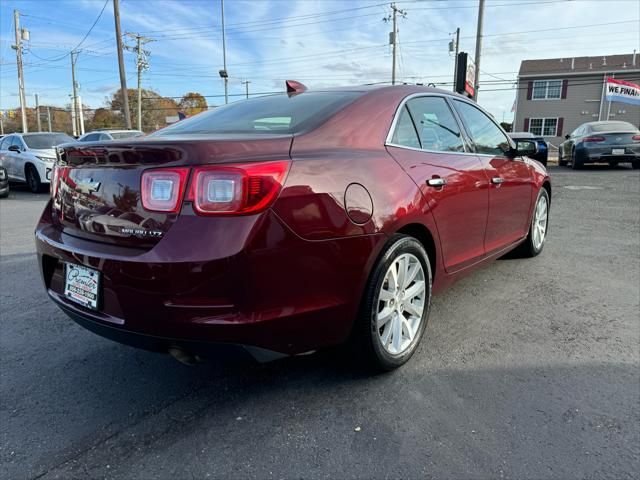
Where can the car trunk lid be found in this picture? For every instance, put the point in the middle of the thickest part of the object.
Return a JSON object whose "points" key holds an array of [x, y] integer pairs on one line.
{"points": [[97, 191]]}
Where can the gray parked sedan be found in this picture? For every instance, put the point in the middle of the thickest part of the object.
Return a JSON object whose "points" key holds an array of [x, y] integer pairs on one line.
{"points": [[601, 142]]}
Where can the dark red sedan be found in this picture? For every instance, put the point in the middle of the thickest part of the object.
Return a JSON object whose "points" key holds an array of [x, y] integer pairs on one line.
{"points": [[288, 223]]}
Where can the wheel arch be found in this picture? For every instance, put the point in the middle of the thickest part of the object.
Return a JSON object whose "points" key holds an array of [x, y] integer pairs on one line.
{"points": [[547, 186], [425, 237]]}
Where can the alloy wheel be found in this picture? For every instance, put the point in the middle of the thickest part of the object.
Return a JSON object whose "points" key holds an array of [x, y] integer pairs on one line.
{"points": [[540, 222], [401, 304]]}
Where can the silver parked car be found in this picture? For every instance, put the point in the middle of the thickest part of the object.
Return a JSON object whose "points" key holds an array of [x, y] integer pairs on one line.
{"points": [[609, 142], [29, 157], [101, 135]]}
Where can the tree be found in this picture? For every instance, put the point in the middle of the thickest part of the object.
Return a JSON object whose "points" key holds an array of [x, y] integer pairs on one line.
{"points": [[192, 103], [106, 118], [507, 126], [155, 108]]}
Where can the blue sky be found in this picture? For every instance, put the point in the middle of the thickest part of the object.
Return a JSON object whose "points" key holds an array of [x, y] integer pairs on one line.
{"points": [[319, 42]]}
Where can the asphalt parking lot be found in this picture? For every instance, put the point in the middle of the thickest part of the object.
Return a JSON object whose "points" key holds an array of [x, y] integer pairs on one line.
{"points": [[529, 370]]}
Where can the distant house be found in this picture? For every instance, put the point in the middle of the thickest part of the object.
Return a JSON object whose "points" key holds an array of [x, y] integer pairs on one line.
{"points": [[557, 95]]}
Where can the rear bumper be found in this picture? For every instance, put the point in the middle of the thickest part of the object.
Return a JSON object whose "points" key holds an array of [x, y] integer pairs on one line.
{"points": [[277, 292], [163, 344], [605, 154]]}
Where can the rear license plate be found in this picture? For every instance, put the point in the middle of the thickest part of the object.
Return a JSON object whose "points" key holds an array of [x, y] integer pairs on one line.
{"points": [[82, 285], [617, 151]]}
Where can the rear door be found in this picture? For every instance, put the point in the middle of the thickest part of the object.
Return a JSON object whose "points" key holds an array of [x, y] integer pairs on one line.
{"points": [[429, 145], [511, 179]]}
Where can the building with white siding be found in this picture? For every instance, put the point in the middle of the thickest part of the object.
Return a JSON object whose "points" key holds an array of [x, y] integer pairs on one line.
{"points": [[557, 95]]}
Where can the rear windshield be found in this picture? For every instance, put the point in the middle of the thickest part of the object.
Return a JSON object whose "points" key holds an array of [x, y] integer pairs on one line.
{"points": [[46, 140], [133, 133], [270, 114], [613, 127]]}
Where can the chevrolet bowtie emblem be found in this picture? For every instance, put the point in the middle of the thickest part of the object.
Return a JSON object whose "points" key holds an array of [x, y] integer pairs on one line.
{"points": [[87, 185]]}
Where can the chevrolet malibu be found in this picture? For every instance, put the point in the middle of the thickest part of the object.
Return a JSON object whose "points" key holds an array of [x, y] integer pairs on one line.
{"points": [[287, 223]]}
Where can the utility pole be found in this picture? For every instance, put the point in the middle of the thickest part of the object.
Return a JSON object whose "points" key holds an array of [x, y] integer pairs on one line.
{"points": [[123, 76], [478, 48], [393, 37], [246, 85], [18, 48], [49, 117], [142, 64], [38, 113], [74, 99], [74, 122], [455, 61], [223, 73], [80, 115]]}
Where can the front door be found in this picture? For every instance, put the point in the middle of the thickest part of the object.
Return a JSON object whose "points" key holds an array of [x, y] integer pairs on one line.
{"points": [[428, 144], [511, 179]]}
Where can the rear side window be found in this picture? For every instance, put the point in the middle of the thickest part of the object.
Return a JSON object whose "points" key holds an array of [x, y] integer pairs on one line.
{"points": [[270, 114], [486, 135], [405, 133], [436, 125]]}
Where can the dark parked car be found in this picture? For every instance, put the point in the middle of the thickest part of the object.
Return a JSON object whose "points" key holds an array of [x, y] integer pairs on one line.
{"points": [[4, 183], [288, 223], [601, 142], [542, 155]]}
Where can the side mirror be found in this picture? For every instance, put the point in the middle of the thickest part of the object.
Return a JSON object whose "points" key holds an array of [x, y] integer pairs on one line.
{"points": [[567, 136], [525, 148], [14, 148]]}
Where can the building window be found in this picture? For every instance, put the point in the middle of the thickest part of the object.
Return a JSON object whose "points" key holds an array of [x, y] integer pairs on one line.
{"points": [[543, 127], [547, 89]]}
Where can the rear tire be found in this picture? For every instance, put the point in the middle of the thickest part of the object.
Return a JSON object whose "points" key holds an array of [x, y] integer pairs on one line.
{"points": [[575, 163], [33, 179], [539, 225], [395, 306]]}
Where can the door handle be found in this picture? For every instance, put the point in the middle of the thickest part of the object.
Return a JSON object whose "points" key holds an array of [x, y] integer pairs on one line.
{"points": [[497, 180], [437, 182]]}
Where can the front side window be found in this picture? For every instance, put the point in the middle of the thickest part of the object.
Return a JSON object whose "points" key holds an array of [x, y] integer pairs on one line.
{"points": [[547, 89], [4, 144], [91, 137], [543, 127], [405, 133], [436, 125], [17, 142], [486, 135]]}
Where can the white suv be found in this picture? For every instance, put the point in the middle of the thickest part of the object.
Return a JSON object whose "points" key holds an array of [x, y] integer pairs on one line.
{"points": [[29, 157]]}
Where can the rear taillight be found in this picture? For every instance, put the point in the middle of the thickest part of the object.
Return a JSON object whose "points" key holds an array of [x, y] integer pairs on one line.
{"points": [[636, 138], [237, 189], [595, 138], [163, 189]]}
